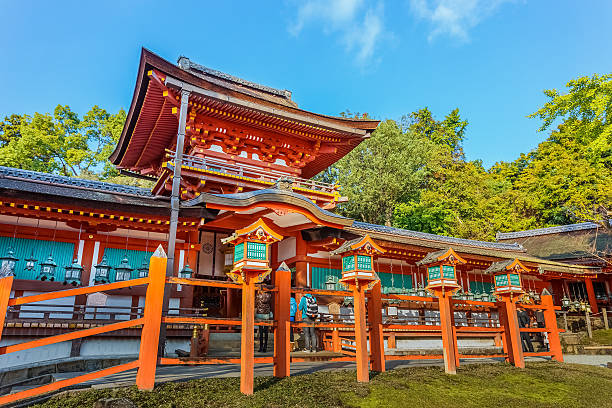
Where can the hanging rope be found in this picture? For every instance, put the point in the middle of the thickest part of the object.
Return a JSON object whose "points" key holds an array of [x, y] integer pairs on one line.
{"points": [[392, 279]]}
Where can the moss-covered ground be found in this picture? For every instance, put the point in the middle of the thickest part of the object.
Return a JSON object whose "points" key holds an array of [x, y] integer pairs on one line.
{"points": [[541, 385]]}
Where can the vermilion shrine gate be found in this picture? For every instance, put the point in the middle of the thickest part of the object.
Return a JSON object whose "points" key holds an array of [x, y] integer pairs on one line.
{"points": [[232, 203]]}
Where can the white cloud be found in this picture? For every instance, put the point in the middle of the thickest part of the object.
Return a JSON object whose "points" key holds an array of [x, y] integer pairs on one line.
{"points": [[360, 28], [454, 18]]}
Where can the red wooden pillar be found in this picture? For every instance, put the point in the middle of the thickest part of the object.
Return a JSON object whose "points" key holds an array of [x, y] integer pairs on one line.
{"points": [[550, 319], [247, 340], [361, 347], [588, 282], [6, 285], [336, 345], [449, 341], [282, 302], [512, 334], [377, 342], [149, 339]]}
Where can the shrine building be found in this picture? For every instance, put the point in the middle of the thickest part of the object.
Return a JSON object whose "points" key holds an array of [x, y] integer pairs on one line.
{"points": [[245, 153]]}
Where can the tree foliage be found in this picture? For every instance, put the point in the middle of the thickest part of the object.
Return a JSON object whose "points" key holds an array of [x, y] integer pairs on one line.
{"points": [[62, 143]]}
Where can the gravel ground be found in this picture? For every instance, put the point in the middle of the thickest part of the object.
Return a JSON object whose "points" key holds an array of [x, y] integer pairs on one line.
{"points": [[596, 360]]}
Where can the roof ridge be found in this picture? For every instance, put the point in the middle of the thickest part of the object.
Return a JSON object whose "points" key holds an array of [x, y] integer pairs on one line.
{"points": [[73, 181], [546, 230], [188, 65], [439, 238]]}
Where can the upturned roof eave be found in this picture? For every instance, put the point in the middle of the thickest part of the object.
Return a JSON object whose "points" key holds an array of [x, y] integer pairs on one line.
{"points": [[150, 60]]}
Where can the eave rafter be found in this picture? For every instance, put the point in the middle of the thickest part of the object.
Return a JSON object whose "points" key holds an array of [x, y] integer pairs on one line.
{"points": [[92, 218]]}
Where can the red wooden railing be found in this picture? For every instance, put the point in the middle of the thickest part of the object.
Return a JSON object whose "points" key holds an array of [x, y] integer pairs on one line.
{"points": [[337, 332]]}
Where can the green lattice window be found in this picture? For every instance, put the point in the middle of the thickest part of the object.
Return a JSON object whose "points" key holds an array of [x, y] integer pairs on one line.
{"points": [[501, 280], [433, 272], [364, 262], [348, 263], [256, 250], [239, 252], [514, 279], [448, 271]]}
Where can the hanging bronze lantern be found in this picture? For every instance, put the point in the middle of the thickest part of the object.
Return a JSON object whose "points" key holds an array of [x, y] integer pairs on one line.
{"points": [[102, 274], [47, 269], [186, 272], [143, 271], [73, 273], [8, 263], [30, 261], [123, 272]]}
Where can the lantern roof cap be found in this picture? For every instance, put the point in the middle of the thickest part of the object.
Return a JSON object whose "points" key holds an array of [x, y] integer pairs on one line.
{"points": [[448, 255], [259, 228], [75, 265], [357, 244], [506, 265]]}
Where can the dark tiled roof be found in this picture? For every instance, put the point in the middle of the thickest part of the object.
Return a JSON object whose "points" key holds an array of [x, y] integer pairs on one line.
{"points": [[502, 236], [439, 238], [432, 257], [91, 185], [345, 246], [498, 266], [188, 65]]}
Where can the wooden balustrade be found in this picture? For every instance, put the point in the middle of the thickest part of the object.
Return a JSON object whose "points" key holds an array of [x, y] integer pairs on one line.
{"points": [[471, 319]]}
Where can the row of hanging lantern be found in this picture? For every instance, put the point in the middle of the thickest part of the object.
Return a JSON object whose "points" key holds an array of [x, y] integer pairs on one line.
{"points": [[578, 303], [74, 271], [8, 265]]}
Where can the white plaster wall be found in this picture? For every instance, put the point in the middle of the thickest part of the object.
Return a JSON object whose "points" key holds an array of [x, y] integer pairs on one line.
{"points": [[110, 346], [174, 303], [120, 302], [286, 249], [66, 311], [48, 352]]}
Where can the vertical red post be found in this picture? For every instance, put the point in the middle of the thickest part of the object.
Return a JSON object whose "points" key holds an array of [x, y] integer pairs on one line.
{"points": [[377, 343], [361, 350], [149, 339], [512, 338], [449, 341], [247, 337], [550, 319], [6, 285], [588, 282], [283, 326], [336, 345]]}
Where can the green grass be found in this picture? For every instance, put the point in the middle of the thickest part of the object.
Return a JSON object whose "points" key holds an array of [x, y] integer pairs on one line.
{"points": [[539, 385], [603, 337]]}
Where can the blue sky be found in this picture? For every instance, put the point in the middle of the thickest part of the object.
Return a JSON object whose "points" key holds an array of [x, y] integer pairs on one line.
{"points": [[489, 58]]}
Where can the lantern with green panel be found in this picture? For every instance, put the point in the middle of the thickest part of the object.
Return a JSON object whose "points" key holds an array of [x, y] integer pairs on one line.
{"points": [[358, 260], [507, 276], [441, 269], [252, 251]]}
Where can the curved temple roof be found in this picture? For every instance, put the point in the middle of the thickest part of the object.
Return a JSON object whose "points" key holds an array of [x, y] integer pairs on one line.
{"points": [[151, 127]]}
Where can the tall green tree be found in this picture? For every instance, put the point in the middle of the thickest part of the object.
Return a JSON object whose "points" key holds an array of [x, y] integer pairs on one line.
{"points": [[389, 168], [61, 143]]}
